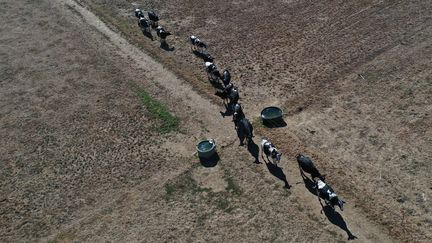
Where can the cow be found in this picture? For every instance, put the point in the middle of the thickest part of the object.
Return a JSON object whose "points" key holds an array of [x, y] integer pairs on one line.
{"points": [[270, 151], [139, 13], [244, 130], [327, 193], [154, 18], [197, 44], [306, 165]]}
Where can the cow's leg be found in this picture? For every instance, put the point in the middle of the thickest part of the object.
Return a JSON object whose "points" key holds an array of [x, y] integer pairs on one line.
{"points": [[318, 194], [302, 172], [275, 162], [262, 154]]}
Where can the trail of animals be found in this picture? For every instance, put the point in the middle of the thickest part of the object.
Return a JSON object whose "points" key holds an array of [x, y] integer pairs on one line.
{"points": [[226, 90]]}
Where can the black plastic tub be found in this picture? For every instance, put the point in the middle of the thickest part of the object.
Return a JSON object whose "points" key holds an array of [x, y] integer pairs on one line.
{"points": [[206, 148], [272, 116]]}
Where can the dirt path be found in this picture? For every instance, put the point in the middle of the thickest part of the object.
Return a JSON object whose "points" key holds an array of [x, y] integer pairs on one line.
{"points": [[218, 128], [155, 71]]}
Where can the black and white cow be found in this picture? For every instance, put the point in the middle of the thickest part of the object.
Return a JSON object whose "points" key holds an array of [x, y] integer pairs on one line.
{"points": [[213, 73], [205, 55], [197, 44], [154, 18], [139, 13], [272, 154], [327, 193], [144, 24], [162, 34], [306, 165]]}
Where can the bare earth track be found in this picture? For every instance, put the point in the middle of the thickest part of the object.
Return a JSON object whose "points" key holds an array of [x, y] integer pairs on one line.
{"points": [[80, 159]]}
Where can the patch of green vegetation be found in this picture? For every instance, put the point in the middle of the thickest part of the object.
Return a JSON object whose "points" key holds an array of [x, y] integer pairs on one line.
{"points": [[333, 233], [275, 232], [65, 236], [300, 208], [286, 193], [371, 76], [109, 16], [313, 217], [169, 190], [199, 78], [185, 187], [373, 139], [201, 220], [182, 185], [268, 181], [231, 185], [221, 202], [257, 123], [229, 209], [168, 122]]}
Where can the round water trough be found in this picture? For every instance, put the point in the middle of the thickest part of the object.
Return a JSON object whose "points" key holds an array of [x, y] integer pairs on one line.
{"points": [[271, 114], [206, 148]]}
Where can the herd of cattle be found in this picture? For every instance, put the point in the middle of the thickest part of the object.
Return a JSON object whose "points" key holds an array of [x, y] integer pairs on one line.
{"points": [[229, 93]]}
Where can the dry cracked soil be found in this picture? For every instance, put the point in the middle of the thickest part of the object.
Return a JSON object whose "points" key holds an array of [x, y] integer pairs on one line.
{"points": [[85, 157]]}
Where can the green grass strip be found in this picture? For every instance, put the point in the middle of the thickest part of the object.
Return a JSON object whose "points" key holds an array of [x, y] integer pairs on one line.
{"points": [[157, 110]]}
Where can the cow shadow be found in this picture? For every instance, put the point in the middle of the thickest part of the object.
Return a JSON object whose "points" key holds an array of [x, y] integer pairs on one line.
{"points": [[204, 55], [229, 111], [335, 218], [166, 47], [274, 123], [217, 85], [210, 162], [309, 184], [253, 149], [277, 172], [332, 215], [148, 34]]}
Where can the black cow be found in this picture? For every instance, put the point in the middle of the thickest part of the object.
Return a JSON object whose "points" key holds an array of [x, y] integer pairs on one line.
{"points": [[244, 130], [206, 56], [233, 96], [306, 165], [226, 77]]}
